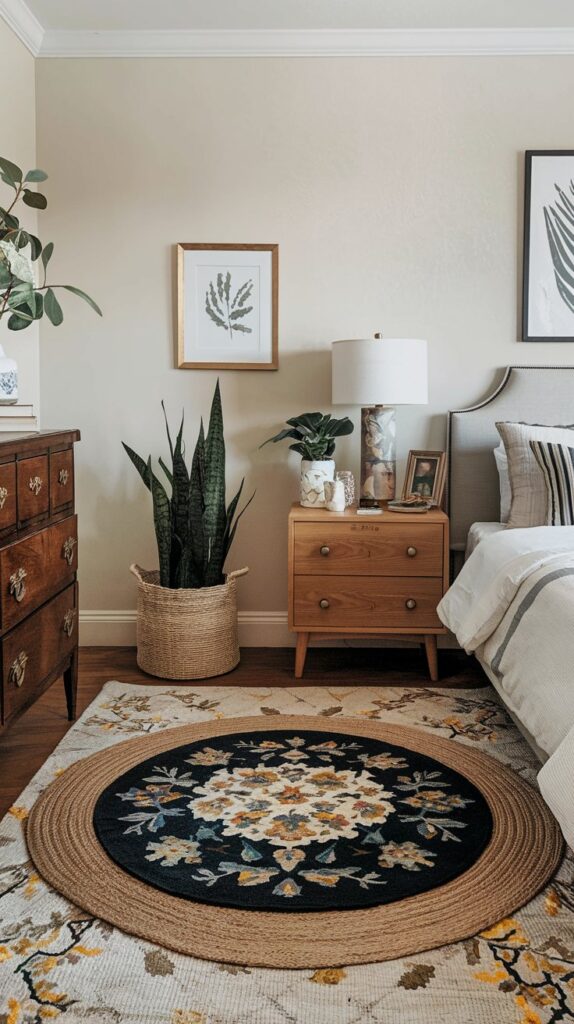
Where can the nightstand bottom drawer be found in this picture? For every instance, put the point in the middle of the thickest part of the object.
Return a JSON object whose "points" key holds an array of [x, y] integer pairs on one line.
{"points": [[363, 603]]}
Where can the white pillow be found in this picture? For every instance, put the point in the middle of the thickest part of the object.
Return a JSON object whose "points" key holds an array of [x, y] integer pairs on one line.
{"points": [[529, 497], [504, 482]]}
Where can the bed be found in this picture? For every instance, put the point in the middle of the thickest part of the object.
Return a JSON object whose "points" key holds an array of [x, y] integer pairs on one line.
{"points": [[512, 600]]}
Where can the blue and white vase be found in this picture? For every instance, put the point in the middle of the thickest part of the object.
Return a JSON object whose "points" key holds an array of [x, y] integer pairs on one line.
{"points": [[8, 379]]}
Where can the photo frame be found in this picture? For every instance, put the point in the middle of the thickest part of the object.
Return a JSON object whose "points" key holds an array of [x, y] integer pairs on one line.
{"points": [[425, 476], [548, 274], [227, 306]]}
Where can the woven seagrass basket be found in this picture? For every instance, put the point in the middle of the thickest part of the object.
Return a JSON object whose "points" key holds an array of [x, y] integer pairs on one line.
{"points": [[186, 634]]}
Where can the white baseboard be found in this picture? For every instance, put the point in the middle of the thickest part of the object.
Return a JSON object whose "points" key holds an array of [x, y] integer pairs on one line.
{"points": [[110, 628]]}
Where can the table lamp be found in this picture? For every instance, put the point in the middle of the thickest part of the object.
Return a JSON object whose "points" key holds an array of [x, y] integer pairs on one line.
{"points": [[377, 374]]}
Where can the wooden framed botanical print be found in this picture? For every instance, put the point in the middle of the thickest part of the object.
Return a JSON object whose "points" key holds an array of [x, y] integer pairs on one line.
{"points": [[227, 306], [548, 275], [425, 476]]}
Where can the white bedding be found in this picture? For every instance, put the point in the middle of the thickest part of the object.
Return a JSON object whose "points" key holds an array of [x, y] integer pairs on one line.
{"points": [[478, 532], [513, 604]]}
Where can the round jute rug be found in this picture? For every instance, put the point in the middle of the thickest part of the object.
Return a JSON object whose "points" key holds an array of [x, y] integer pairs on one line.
{"points": [[287, 845]]}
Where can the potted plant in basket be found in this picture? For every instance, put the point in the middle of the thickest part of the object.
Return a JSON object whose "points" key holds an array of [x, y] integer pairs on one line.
{"points": [[314, 434], [25, 296], [187, 610]]}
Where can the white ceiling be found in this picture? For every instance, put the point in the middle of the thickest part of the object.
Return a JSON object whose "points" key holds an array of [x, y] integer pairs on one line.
{"points": [[122, 15]]}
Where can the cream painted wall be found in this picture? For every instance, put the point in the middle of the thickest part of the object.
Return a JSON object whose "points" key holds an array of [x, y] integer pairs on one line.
{"points": [[393, 188], [18, 119]]}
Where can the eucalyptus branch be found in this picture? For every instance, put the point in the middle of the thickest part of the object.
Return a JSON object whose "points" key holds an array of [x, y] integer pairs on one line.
{"points": [[19, 295]]}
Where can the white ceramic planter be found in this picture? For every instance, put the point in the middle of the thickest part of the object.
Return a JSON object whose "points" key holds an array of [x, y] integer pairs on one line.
{"points": [[8, 379], [313, 477]]}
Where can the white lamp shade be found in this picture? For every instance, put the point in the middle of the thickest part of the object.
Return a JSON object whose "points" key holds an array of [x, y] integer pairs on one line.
{"points": [[380, 371]]}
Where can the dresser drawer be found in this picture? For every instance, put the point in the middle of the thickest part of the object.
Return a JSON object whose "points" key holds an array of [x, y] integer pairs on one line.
{"points": [[33, 569], [370, 549], [32, 651], [8, 513], [61, 479], [351, 603], [33, 488]]}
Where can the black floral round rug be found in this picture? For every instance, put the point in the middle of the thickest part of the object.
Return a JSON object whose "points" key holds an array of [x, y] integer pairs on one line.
{"points": [[280, 820]]}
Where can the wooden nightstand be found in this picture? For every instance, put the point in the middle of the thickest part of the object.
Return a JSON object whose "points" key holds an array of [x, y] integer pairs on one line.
{"points": [[361, 576]]}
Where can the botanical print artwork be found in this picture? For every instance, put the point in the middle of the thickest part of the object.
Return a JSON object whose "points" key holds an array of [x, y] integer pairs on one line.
{"points": [[548, 288], [313, 821], [58, 963], [227, 309], [227, 306]]}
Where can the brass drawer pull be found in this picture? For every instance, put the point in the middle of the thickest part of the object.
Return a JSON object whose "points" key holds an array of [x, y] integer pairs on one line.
{"points": [[17, 585], [411, 552], [68, 549], [18, 669], [410, 603], [323, 603], [35, 484], [3, 496], [63, 477], [68, 623], [325, 550]]}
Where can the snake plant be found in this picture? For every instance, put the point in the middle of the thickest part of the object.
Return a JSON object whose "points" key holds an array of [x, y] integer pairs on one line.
{"points": [[24, 294], [314, 434], [194, 527]]}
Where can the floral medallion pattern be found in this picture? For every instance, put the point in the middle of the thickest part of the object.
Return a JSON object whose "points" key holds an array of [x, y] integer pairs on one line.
{"points": [[279, 821]]}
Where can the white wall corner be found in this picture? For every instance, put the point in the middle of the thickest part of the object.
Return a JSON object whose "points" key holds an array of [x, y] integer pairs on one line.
{"points": [[23, 23]]}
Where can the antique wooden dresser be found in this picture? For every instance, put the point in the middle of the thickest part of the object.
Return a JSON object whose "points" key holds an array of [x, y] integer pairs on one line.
{"points": [[38, 561]]}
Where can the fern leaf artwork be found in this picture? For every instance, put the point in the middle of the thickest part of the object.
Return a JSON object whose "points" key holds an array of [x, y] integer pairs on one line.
{"points": [[228, 310], [559, 220]]}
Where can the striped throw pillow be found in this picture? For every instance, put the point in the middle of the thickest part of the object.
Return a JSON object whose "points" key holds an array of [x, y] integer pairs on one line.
{"points": [[557, 464]]}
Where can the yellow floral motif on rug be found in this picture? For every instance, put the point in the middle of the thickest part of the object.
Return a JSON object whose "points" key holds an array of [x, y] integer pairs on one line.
{"points": [[59, 964]]}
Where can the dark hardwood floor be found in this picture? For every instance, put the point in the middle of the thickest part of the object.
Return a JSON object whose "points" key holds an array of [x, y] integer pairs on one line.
{"points": [[26, 744]]}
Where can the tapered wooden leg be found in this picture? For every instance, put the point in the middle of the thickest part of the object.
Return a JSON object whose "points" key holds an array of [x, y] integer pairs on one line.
{"points": [[432, 657], [301, 653], [71, 685]]}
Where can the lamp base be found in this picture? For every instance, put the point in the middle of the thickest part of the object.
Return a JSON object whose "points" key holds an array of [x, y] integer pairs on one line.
{"points": [[378, 455]]}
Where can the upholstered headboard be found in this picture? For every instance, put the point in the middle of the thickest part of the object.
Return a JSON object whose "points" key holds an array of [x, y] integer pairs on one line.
{"points": [[531, 394]]}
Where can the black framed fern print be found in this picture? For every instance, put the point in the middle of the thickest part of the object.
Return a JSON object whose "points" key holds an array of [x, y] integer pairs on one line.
{"points": [[227, 306], [548, 269]]}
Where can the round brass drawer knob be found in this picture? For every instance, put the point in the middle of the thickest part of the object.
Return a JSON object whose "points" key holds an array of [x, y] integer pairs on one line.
{"points": [[410, 603], [323, 603], [411, 552], [325, 550]]}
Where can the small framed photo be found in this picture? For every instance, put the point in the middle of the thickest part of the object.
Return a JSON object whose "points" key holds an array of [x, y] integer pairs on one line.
{"points": [[227, 306], [425, 476], [548, 268]]}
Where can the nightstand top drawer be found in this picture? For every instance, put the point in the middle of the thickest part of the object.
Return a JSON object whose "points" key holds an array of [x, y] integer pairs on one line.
{"points": [[356, 547]]}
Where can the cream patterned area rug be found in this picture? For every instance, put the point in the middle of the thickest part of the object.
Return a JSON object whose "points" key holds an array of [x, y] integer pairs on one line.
{"points": [[58, 963]]}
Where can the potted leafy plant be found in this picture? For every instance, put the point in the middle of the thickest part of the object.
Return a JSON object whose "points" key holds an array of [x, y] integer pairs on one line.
{"points": [[25, 295], [187, 610], [314, 435]]}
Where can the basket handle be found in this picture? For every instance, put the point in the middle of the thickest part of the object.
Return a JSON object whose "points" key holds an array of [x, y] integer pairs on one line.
{"points": [[237, 573]]}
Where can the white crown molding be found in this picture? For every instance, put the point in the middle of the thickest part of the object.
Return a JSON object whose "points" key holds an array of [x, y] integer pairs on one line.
{"points": [[308, 43], [19, 17]]}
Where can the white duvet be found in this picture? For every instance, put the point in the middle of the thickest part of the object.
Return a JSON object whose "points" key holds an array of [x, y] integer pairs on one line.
{"points": [[513, 604]]}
